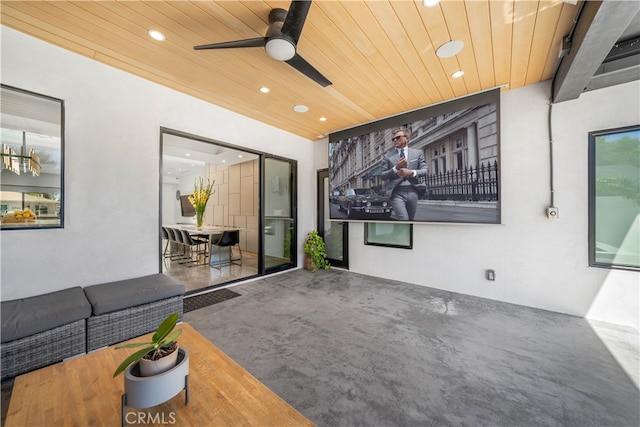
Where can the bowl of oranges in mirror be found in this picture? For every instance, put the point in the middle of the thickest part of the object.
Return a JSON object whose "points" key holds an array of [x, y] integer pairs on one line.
{"points": [[16, 217]]}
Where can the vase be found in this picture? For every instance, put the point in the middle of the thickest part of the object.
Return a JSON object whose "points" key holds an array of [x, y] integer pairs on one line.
{"points": [[199, 218], [149, 368], [308, 262]]}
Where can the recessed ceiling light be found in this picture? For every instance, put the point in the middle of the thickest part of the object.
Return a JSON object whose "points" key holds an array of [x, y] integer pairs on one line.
{"points": [[224, 161], [300, 108], [450, 49], [430, 3], [323, 119], [240, 156], [457, 74], [156, 35], [265, 89], [187, 154]]}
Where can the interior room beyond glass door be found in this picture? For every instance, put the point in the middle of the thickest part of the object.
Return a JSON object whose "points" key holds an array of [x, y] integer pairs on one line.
{"points": [[279, 221]]}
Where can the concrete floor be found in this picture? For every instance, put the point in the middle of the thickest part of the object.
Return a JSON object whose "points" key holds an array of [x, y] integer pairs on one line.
{"points": [[351, 350]]}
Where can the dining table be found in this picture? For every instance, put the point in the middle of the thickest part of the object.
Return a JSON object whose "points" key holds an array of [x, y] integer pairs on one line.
{"points": [[212, 233]]}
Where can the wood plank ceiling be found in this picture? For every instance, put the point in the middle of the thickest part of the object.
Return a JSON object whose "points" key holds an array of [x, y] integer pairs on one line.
{"points": [[380, 55]]}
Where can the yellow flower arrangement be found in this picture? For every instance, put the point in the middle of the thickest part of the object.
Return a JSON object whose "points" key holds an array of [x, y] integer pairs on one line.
{"points": [[200, 197]]}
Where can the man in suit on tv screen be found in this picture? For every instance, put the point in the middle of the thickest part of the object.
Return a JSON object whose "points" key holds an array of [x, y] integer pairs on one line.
{"points": [[401, 167]]}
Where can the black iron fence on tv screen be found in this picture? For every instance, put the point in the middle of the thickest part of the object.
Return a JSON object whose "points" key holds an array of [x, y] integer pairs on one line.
{"points": [[472, 184]]}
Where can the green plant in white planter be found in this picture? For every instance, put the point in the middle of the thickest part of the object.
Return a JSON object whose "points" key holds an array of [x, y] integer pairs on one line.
{"points": [[147, 388], [163, 345], [316, 252]]}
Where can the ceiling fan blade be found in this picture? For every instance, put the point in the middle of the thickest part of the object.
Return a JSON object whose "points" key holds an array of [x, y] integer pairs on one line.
{"points": [[257, 42], [296, 16], [299, 63]]}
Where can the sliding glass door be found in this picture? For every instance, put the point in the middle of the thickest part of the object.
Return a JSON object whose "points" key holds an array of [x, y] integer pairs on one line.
{"points": [[279, 219], [254, 193], [334, 233]]}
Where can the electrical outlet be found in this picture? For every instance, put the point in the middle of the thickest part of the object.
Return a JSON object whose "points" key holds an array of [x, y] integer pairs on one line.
{"points": [[491, 275], [552, 212]]}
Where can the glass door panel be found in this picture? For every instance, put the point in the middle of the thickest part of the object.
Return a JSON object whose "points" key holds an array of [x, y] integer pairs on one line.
{"points": [[279, 221], [335, 233]]}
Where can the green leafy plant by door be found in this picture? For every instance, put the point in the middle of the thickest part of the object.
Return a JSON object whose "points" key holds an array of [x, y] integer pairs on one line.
{"points": [[316, 252]]}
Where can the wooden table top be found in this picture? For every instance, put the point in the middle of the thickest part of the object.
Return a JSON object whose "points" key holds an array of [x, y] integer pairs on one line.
{"points": [[83, 392], [207, 229]]}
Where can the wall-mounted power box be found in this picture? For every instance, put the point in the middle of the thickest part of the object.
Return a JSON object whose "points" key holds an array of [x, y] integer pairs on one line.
{"points": [[490, 274]]}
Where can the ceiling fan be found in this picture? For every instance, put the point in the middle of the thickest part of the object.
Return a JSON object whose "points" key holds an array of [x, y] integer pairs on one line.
{"points": [[281, 39]]}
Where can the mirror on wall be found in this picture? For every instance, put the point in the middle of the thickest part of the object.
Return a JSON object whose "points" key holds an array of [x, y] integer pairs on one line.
{"points": [[32, 149]]}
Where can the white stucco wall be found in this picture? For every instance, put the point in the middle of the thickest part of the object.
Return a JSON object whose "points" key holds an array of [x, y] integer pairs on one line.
{"points": [[112, 159], [112, 165], [538, 262]]}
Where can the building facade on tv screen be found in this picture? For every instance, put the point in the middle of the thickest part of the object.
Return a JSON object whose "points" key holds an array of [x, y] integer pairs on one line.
{"points": [[458, 142]]}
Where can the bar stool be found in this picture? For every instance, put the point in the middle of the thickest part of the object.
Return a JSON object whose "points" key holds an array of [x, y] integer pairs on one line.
{"points": [[177, 249], [193, 247], [229, 238], [167, 237]]}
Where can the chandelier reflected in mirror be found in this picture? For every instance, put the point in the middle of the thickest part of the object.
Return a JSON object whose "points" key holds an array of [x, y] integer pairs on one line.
{"points": [[23, 162]]}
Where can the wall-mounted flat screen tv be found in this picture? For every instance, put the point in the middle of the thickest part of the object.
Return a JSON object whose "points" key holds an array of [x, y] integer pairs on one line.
{"points": [[186, 207], [436, 164]]}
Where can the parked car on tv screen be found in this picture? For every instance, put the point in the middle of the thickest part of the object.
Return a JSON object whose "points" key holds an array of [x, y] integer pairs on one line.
{"points": [[364, 203], [333, 196]]}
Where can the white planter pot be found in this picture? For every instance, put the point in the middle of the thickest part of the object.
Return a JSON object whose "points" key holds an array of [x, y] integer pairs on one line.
{"points": [[145, 392], [155, 367]]}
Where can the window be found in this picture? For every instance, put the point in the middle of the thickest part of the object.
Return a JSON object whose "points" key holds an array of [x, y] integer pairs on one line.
{"points": [[439, 159], [460, 153], [614, 198], [392, 235], [32, 149], [366, 151]]}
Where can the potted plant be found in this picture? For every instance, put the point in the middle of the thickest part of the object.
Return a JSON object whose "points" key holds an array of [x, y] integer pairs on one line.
{"points": [[145, 389], [158, 355], [315, 252], [200, 197]]}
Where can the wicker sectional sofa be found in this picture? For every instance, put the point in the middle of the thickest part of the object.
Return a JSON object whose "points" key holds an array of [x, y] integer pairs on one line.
{"points": [[41, 330], [130, 308], [46, 329]]}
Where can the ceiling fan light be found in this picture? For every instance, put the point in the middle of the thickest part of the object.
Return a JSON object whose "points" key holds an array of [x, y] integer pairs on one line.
{"points": [[280, 49]]}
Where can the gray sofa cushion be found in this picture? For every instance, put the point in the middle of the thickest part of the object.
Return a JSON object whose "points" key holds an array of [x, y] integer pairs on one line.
{"points": [[108, 297], [27, 316]]}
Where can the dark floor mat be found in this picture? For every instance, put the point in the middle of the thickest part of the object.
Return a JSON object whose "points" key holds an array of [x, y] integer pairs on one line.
{"points": [[210, 298]]}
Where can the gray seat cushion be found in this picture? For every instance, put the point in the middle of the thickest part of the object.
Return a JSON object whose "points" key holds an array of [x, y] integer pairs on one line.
{"points": [[27, 316], [108, 297]]}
